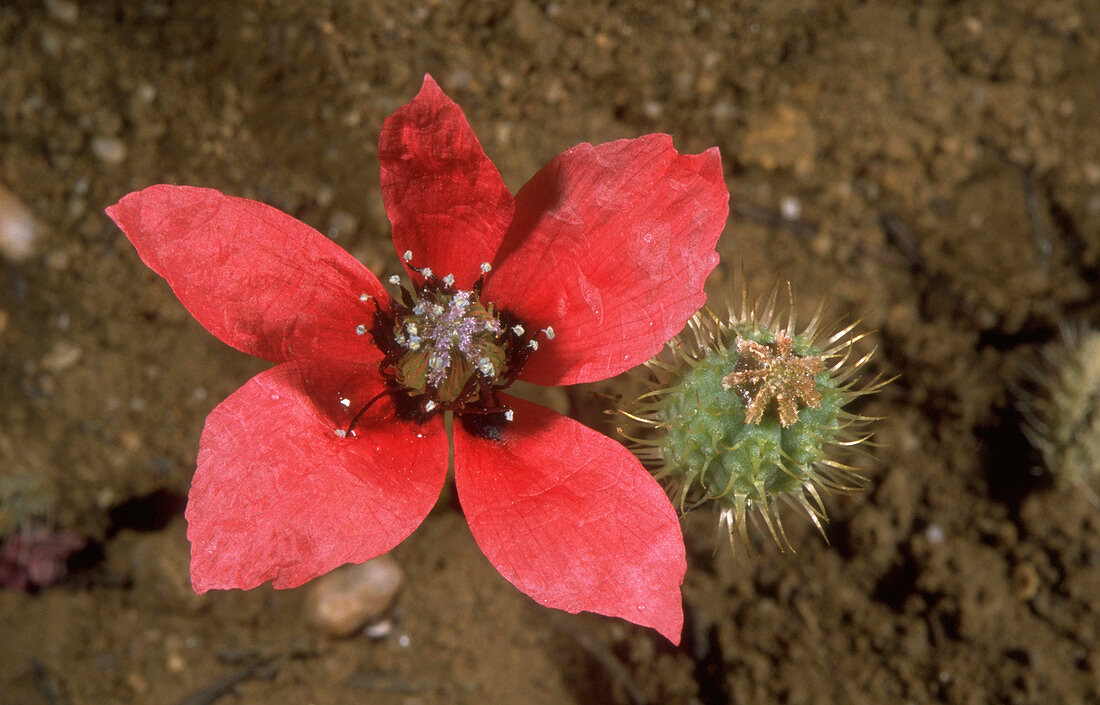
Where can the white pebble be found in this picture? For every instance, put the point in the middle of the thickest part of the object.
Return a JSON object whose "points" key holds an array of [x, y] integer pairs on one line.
{"points": [[790, 208], [109, 150], [61, 356], [342, 602], [63, 10], [380, 629], [18, 229], [147, 92]]}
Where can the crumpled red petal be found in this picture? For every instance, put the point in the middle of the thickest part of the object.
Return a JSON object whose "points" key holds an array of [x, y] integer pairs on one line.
{"points": [[279, 496], [610, 246], [445, 199], [571, 518], [258, 279]]}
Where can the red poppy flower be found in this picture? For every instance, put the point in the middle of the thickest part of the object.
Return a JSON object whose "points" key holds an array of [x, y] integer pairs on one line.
{"points": [[338, 452]]}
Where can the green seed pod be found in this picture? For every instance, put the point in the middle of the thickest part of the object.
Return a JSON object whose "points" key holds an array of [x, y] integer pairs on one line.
{"points": [[746, 413], [1062, 410]]}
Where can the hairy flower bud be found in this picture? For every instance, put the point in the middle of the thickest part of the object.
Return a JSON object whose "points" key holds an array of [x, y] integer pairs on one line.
{"points": [[1062, 411], [745, 413]]}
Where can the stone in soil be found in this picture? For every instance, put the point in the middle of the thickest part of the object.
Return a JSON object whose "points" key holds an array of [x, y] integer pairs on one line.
{"points": [[344, 601]]}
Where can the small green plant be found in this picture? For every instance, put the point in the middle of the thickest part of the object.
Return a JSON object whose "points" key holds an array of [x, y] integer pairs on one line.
{"points": [[745, 412], [1062, 410]]}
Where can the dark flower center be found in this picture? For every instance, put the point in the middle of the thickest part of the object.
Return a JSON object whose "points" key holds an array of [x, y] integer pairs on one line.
{"points": [[452, 346], [446, 349]]}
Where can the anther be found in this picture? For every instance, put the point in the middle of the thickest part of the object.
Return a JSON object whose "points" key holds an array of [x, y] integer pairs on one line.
{"points": [[426, 272], [549, 331], [360, 329], [340, 433], [395, 280], [485, 267], [449, 280], [345, 403], [533, 344], [517, 329], [509, 415], [407, 256], [429, 405], [485, 366], [364, 297]]}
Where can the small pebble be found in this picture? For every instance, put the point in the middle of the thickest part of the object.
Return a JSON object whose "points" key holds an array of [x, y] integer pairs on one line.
{"points": [[790, 208], [61, 356], [652, 109], [380, 629], [130, 440], [722, 111], [65, 11], [51, 42], [58, 260], [342, 602], [18, 229], [137, 682], [110, 150], [147, 92], [1092, 172], [77, 207], [325, 196], [342, 224]]}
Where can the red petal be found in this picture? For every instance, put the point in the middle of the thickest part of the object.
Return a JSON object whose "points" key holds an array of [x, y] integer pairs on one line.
{"points": [[445, 199], [279, 496], [571, 518], [258, 279], [610, 246]]}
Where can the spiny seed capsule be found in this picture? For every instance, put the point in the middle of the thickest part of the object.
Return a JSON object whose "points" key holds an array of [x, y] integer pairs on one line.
{"points": [[1062, 410], [746, 413]]}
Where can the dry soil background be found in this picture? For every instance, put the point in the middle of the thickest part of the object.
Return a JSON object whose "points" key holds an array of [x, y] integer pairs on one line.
{"points": [[934, 165]]}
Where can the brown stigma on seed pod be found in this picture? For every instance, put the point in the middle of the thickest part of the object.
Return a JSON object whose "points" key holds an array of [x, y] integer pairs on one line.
{"points": [[767, 371]]}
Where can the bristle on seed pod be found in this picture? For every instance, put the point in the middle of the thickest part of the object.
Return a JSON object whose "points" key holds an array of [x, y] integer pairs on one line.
{"points": [[1061, 410], [747, 411]]}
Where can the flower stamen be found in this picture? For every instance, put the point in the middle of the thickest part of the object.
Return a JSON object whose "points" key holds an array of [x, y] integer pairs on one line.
{"points": [[446, 349]]}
